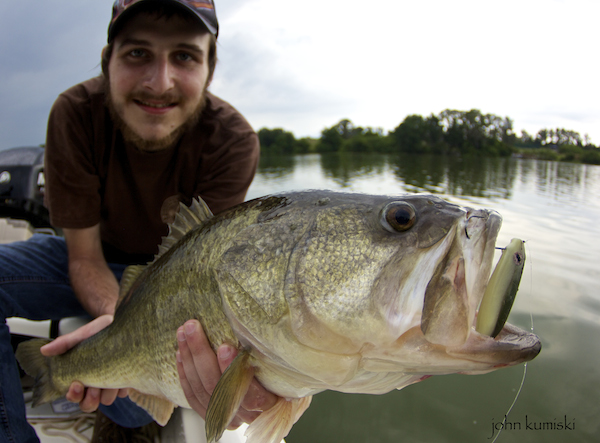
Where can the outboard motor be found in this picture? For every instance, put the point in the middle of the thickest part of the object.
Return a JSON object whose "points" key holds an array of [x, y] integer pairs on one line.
{"points": [[22, 186]]}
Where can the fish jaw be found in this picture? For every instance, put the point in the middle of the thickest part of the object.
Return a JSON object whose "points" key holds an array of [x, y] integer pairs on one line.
{"points": [[476, 240], [510, 347], [458, 283], [414, 354]]}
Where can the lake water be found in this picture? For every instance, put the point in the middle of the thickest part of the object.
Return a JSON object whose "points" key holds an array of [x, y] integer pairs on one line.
{"points": [[555, 207]]}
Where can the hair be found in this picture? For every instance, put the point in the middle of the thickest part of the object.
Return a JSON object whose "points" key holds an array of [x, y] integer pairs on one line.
{"points": [[160, 11]]}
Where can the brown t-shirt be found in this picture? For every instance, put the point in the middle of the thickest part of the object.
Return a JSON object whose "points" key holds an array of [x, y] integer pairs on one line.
{"points": [[93, 176]]}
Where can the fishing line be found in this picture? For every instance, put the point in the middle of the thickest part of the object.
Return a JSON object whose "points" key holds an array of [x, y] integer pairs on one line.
{"points": [[513, 403], [525, 364]]}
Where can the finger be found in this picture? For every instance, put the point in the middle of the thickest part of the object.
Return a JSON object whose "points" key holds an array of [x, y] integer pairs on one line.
{"points": [[192, 398], [108, 396], [258, 398], [236, 423], [67, 341], [198, 400], [203, 359], [191, 381], [205, 368], [225, 355], [76, 392], [123, 392], [91, 401]]}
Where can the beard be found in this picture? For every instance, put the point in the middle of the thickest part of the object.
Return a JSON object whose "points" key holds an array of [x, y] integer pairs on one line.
{"points": [[158, 144]]}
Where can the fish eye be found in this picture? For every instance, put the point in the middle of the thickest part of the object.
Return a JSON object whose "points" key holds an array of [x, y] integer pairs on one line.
{"points": [[398, 216]]}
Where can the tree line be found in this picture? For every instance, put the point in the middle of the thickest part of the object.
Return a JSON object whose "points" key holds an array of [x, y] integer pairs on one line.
{"points": [[451, 132]]}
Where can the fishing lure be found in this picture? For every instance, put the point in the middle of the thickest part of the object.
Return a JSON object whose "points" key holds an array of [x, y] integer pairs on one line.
{"points": [[501, 290]]}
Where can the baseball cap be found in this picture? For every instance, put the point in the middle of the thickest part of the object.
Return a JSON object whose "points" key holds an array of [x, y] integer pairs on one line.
{"points": [[203, 10]]}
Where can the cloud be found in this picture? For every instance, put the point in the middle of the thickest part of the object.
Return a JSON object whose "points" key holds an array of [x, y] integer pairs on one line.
{"points": [[304, 68], [45, 48], [377, 62], [266, 90]]}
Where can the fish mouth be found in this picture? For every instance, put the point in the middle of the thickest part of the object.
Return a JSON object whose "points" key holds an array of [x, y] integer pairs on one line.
{"points": [[458, 291], [510, 347], [493, 341]]}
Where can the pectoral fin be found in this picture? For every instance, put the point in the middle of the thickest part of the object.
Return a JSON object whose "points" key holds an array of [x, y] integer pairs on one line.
{"points": [[274, 424], [227, 396], [159, 408]]}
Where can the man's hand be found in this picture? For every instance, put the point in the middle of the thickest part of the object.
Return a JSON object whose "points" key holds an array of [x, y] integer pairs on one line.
{"points": [[89, 399], [200, 369]]}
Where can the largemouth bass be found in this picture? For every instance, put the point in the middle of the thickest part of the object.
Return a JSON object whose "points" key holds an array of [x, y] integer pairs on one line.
{"points": [[318, 290]]}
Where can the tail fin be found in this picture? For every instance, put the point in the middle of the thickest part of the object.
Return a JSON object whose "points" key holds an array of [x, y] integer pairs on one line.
{"points": [[36, 365]]}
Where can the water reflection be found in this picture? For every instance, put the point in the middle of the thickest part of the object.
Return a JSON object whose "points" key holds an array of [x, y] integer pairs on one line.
{"points": [[276, 166], [345, 167], [477, 177], [560, 180], [495, 178]]}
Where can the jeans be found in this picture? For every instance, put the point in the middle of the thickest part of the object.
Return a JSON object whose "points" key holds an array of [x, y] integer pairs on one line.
{"points": [[34, 284]]}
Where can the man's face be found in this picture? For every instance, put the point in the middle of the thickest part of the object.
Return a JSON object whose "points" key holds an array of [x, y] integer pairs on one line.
{"points": [[158, 74]]}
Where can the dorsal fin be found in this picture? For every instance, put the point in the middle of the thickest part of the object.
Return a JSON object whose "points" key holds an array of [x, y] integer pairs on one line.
{"points": [[185, 220]]}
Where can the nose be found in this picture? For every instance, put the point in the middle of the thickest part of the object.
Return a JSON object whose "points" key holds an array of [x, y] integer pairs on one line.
{"points": [[159, 78]]}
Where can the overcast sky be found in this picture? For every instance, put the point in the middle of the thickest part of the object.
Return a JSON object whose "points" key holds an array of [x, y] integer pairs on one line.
{"points": [[304, 66]]}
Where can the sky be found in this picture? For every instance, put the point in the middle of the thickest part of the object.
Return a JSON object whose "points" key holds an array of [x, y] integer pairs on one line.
{"points": [[304, 66]]}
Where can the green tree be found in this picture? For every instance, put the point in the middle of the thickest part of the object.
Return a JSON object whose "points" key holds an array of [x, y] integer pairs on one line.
{"points": [[570, 153], [331, 140], [560, 137], [278, 141], [345, 137], [591, 156], [471, 132], [419, 135]]}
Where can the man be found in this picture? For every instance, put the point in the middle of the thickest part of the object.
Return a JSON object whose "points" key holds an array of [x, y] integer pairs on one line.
{"points": [[122, 150]]}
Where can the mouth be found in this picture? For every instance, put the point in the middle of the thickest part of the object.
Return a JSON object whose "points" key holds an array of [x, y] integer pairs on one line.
{"points": [[155, 107], [466, 312], [493, 341]]}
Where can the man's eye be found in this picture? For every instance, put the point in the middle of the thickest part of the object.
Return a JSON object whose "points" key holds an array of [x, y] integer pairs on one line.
{"points": [[136, 53], [184, 57]]}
